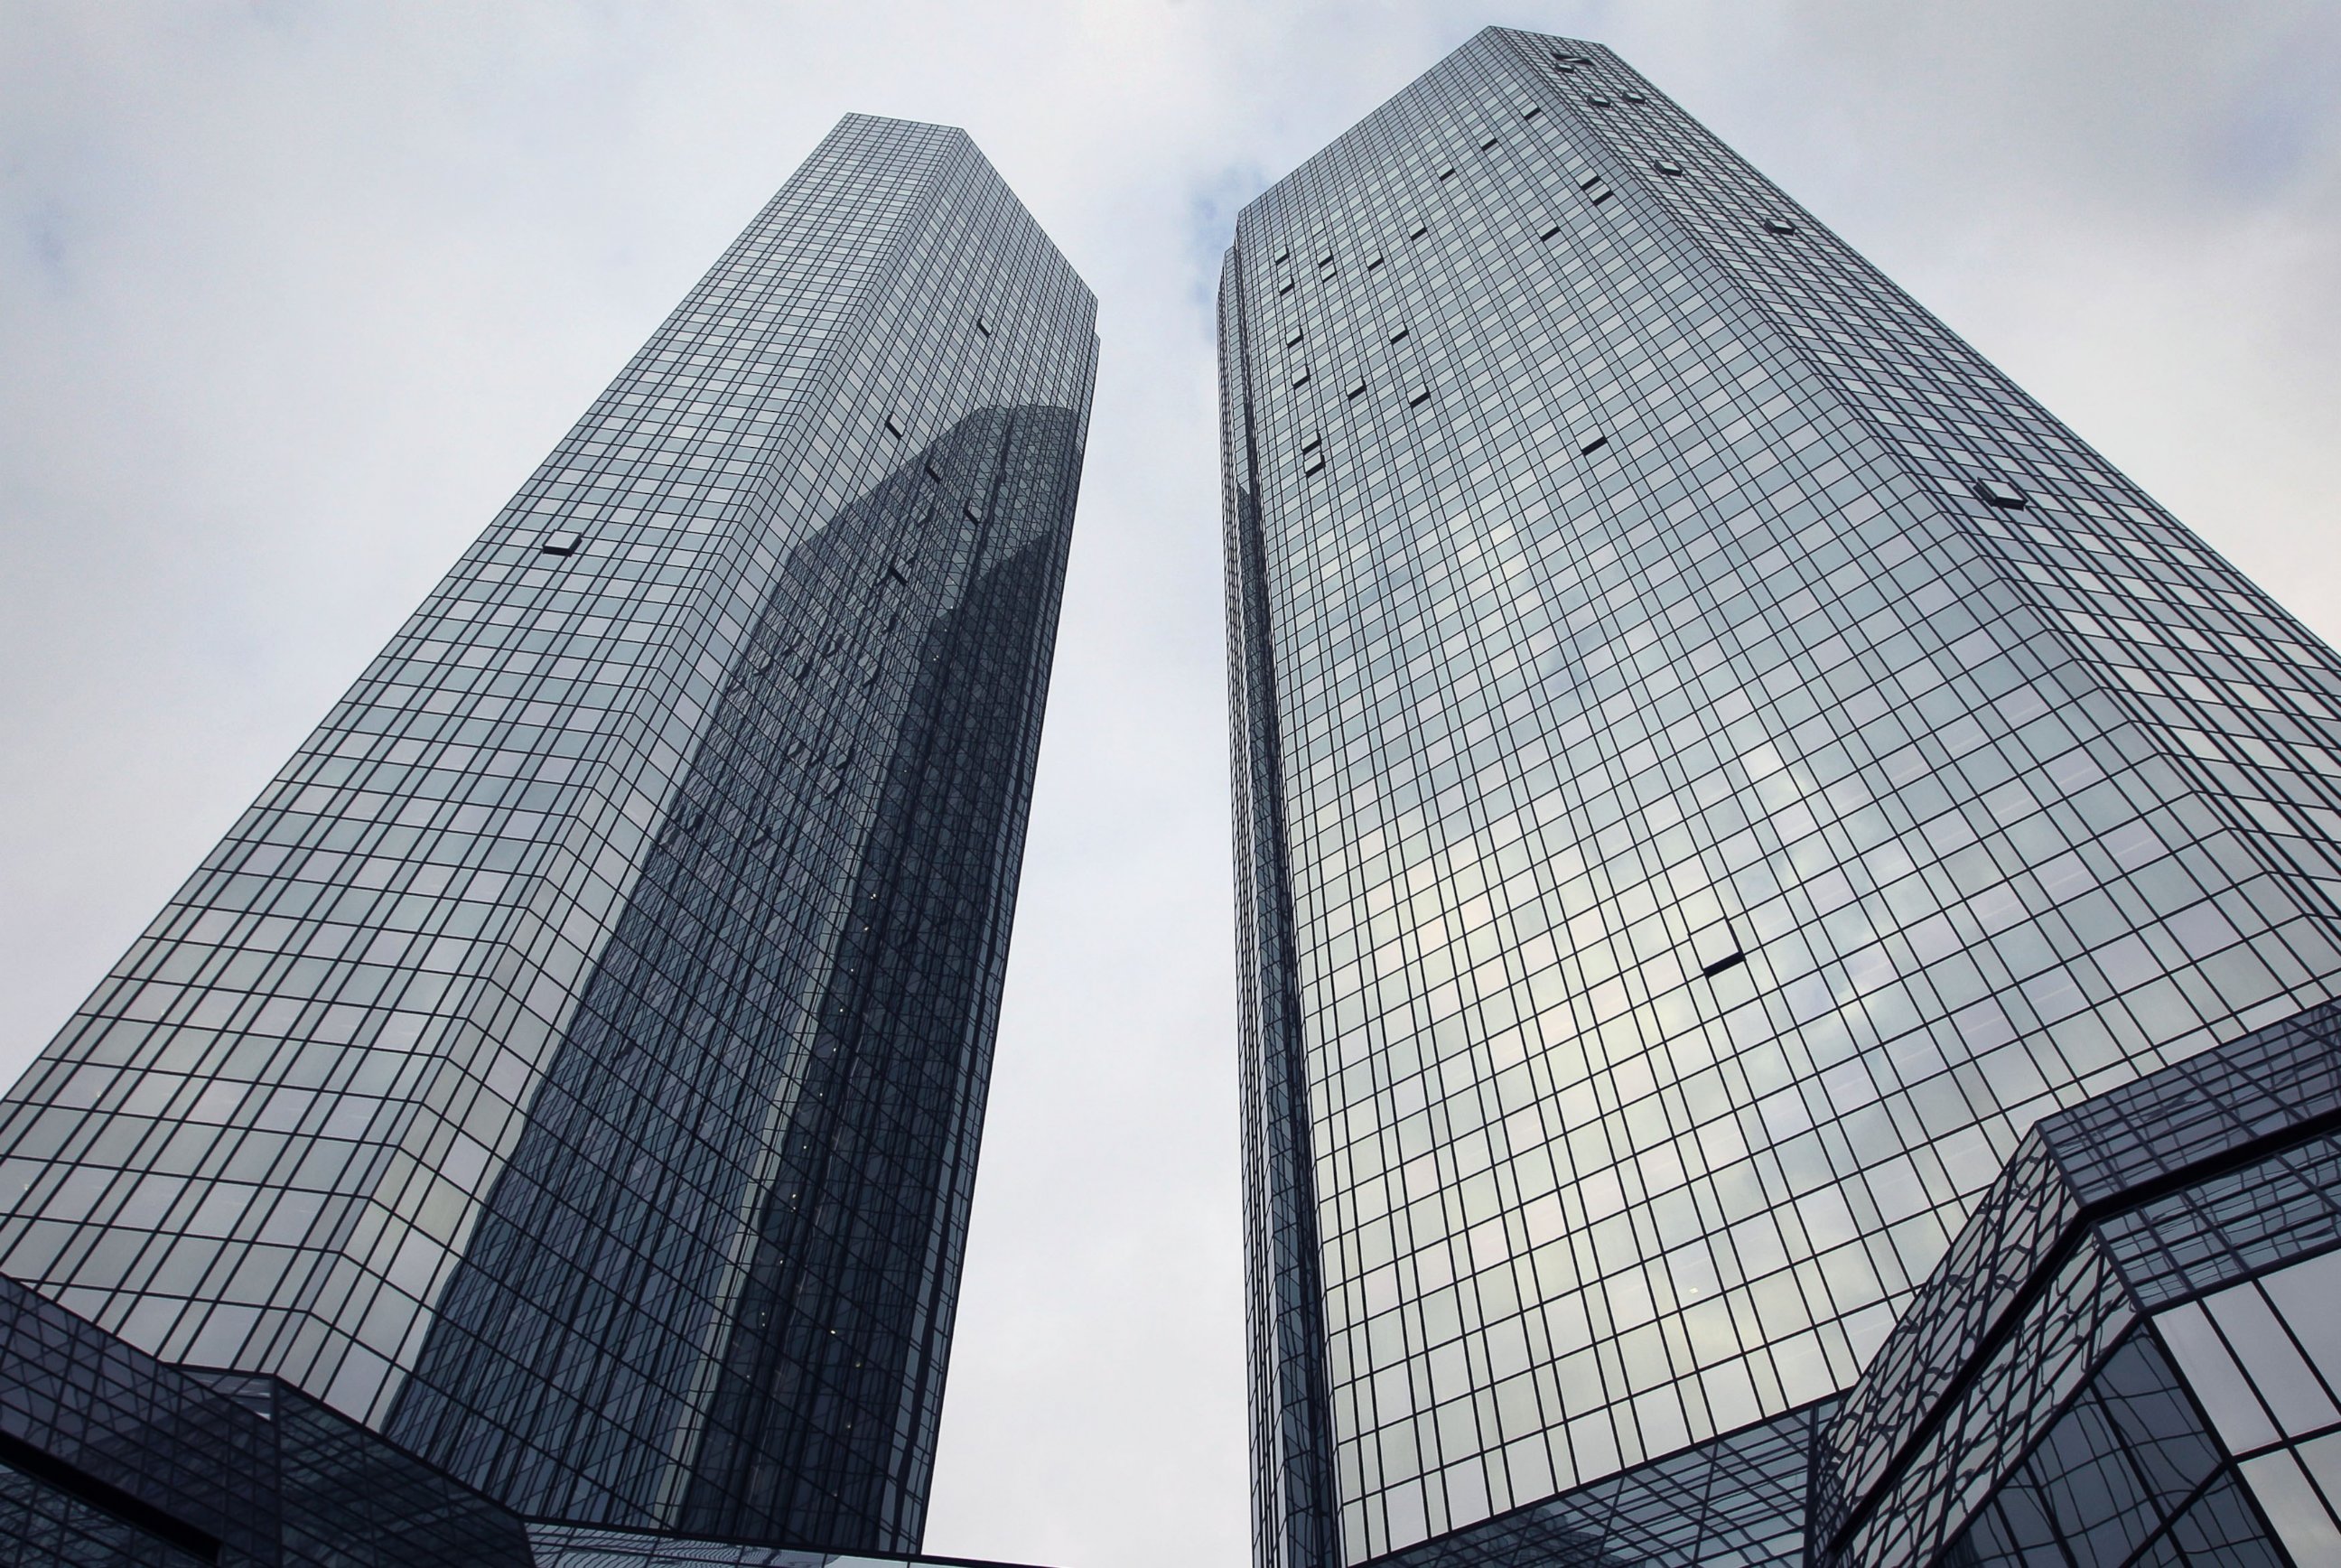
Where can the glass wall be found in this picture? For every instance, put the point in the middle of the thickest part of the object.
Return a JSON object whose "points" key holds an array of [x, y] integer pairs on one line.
{"points": [[574, 1063], [1737, 763]]}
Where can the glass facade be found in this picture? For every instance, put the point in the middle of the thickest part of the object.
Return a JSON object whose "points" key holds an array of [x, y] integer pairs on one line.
{"points": [[572, 1068], [573, 1546], [2129, 1354], [1715, 765], [109, 1456], [111, 1459]]}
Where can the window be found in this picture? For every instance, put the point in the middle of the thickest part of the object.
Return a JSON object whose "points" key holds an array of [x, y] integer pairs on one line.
{"points": [[1284, 287], [1397, 335], [893, 427], [1284, 253], [1667, 167], [1375, 262], [1420, 395], [1596, 444], [1356, 389], [1488, 144], [1532, 111], [1728, 960], [1293, 339], [1780, 226], [1597, 100], [1313, 464], [1417, 232], [558, 544], [1301, 377], [1633, 97], [1447, 173], [984, 326], [1999, 492], [1550, 230]]}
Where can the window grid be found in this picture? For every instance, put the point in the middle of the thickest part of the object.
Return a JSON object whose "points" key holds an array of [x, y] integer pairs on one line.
{"points": [[1640, 611], [482, 1081]]}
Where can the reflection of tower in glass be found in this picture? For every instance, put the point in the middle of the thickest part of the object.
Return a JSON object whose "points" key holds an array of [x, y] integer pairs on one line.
{"points": [[869, 757], [1715, 764], [572, 1067]]}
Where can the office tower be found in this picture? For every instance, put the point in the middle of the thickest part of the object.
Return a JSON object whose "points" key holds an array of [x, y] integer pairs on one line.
{"points": [[1715, 766], [571, 1069]]}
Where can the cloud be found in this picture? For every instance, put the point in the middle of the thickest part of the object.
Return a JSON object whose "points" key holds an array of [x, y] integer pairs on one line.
{"points": [[292, 295]]}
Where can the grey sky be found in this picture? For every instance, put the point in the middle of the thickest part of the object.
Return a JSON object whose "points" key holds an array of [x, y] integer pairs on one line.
{"points": [[292, 296]]}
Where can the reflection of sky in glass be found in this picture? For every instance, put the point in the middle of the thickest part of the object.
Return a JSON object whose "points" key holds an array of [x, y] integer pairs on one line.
{"points": [[1715, 828]]}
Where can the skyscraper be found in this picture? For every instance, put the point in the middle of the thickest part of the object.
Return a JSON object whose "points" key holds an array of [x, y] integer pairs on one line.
{"points": [[1724, 782], [572, 1068]]}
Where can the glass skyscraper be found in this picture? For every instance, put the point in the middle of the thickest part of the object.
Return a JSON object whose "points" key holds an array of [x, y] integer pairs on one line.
{"points": [[1759, 855], [562, 1086]]}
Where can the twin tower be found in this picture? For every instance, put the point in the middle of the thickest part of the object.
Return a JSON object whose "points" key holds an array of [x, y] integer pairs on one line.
{"points": [[1788, 914]]}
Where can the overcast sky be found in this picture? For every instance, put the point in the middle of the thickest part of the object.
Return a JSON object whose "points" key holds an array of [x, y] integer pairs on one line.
{"points": [[293, 296]]}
